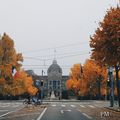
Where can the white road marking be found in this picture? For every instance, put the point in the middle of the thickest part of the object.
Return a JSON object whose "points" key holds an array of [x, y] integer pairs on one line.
{"points": [[62, 111], [3, 110], [41, 114], [15, 116], [6, 113], [79, 110], [63, 105], [91, 106], [82, 106], [97, 105], [5, 106], [15, 105], [87, 115], [73, 106], [53, 105]]}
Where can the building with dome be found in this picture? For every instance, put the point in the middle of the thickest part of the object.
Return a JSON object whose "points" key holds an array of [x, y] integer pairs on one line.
{"points": [[53, 82], [54, 79]]}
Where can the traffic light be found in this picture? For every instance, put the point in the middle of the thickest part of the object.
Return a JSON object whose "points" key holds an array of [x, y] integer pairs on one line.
{"points": [[108, 83], [41, 82]]}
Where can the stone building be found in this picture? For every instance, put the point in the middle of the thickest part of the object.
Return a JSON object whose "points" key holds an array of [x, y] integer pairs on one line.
{"points": [[54, 81]]}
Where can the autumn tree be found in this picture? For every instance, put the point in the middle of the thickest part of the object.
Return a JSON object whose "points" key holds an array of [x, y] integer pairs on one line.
{"points": [[9, 59], [105, 43], [23, 83], [94, 79], [75, 76], [10, 63]]}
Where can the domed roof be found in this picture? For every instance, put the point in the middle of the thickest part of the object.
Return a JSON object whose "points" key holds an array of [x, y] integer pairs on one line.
{"points": [[54, 68]]}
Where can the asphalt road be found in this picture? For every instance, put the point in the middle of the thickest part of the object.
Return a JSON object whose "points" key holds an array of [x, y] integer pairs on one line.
{"points": [[7, 107], [64, 111], [84, 110]]}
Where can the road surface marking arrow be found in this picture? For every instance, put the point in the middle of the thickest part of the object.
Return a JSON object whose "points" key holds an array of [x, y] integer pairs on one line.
{"points": [[62, 111]]}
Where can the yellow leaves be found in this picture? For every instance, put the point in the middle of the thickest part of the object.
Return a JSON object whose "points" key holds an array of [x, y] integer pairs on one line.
{"points": [[93, 73], [17, 89], [32, 90], [25, 82], [9, 59], [19, 57], [76, 71], [105, 42], [69, 84], [2, 81], [7, 42], [6, 89], [74, 83], [82, 81]]}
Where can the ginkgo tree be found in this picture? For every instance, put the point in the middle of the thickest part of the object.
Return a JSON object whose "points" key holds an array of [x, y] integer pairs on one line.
{"points": [[75, 76], [94, 79], [12, 80], [105, 42], [89, 79]]}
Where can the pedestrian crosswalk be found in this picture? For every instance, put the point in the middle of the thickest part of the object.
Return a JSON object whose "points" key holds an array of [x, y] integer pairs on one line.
{"points": [[10, 104], [78, 105]]}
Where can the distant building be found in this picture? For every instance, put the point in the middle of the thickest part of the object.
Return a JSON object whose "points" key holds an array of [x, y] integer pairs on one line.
{"points": [[54, 81]]}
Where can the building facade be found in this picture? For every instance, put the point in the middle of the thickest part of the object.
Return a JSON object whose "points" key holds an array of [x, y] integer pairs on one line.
{"points": [[53, 82]]}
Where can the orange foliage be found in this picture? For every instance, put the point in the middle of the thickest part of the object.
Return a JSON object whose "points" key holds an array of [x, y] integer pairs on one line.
{"points": [[92, 75], [9, 61], [85, 81], [75, 76], [105, 43], [25, 83]]}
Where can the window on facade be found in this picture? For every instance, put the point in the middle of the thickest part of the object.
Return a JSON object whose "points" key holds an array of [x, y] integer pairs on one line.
{"points": [[50, 82], [54, 83], [58, 82]]}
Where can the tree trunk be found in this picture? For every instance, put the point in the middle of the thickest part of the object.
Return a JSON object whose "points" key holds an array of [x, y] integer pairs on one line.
{"points": [[117, 84]]}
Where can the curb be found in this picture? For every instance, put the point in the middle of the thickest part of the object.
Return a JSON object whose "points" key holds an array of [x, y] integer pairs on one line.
{"points": [[114, 109]]}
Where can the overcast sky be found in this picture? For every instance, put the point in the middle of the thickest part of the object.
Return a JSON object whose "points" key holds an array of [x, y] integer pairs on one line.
{"points": [[44, 29]]}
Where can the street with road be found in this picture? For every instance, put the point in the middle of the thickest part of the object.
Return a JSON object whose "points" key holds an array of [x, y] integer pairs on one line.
{"points": [[63, 110]]}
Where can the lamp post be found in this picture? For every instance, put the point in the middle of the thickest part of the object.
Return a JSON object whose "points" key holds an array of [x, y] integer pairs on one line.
{"points": [[111, 80], [42, 86]]}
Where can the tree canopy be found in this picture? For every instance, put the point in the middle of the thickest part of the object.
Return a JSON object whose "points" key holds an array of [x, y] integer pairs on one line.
{"points": [[105, 43], [12, 80]]}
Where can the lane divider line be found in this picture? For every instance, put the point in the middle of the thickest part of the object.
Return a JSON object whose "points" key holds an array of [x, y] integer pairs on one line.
{"points": [[42, 114], [6, 113], [87, 115]]}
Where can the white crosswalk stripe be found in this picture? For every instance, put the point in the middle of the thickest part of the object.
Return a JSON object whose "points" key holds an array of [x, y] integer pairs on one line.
{"points": [[73, 106], [53, 105], [63, 105], [4, 105], [91, 106], [82, 106]]}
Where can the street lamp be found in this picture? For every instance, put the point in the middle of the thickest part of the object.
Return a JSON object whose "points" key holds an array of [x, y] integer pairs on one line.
{"points": [[42, 85], [111, 84]]}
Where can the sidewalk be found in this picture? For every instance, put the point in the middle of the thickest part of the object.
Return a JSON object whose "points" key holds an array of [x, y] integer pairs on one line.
{"points": [[115, 108]]}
